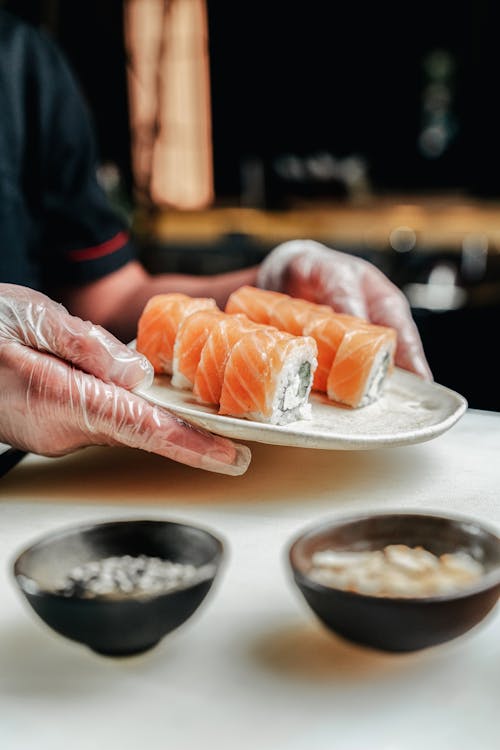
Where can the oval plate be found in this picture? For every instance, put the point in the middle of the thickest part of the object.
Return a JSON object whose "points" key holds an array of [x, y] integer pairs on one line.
{"points": [[410, 411]]}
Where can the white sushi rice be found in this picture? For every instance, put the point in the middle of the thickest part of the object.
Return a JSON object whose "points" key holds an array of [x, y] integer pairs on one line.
{"points": [[178, 379], [376, 379], [290, 397], [290, 401]]}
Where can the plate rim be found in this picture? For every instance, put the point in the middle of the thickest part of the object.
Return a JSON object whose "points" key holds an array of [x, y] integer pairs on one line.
{"points": [[288, 436]]}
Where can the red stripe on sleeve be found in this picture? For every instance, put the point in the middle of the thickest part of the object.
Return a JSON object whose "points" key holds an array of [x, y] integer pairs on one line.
{"points": [[97, 251]]}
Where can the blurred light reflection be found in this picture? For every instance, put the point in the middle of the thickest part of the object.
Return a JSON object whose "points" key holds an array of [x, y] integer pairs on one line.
{"points": [[441, 291], [474, 256], [402, 239]]}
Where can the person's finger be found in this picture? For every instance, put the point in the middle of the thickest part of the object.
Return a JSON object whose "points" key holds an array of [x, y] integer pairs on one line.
{"points": [[55, 409], [96, 351], [341, 287], [410, 354], [388, 306], [120, 417], [191, 445], [327, 277], [274, 269], [349, 301], [37, 321]]}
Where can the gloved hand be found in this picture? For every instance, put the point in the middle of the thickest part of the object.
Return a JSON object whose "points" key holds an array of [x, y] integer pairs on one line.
{"points": [[66, 383], [308, 269]]}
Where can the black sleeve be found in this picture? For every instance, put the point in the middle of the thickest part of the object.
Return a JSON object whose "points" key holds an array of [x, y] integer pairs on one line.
{"points": [[83, 238]]}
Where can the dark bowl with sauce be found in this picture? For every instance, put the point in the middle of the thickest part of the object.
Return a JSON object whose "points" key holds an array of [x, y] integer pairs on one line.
{"points": [[397, 623], [128, 623]]}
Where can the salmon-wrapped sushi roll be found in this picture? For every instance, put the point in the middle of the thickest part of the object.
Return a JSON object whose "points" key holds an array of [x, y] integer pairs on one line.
{"points": [[221, 339], [159, 323], [361, 364], [293, 315], [190, 340], [256, 304], [328, 330], [268, 377]]}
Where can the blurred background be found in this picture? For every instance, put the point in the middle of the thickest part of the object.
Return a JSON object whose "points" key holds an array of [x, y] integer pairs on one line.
{"points": [[225, 128]]}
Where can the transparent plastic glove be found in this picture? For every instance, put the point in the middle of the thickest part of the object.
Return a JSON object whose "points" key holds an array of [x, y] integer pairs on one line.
{"points": [[66, 383], [308, 269]]}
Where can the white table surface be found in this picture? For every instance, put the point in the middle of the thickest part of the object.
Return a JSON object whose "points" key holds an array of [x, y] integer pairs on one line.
{"points": [[252, 668]]}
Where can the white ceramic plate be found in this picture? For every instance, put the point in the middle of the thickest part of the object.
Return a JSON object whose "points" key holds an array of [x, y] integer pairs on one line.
{"points": [[410, 411]]}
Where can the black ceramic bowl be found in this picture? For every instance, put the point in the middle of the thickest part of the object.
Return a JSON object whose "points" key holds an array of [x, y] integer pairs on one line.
{"points": [[125, 625], [399, 624]]}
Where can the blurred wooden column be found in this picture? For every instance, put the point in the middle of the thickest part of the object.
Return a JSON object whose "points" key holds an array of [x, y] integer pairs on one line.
{"points": [[170, 109]]}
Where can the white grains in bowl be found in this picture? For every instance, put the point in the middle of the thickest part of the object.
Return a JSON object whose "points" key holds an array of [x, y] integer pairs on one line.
{"points": [[396, 570], [127, 576]]}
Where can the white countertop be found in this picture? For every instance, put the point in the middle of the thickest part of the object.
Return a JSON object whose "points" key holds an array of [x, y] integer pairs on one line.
{"points": [[252, 668]]}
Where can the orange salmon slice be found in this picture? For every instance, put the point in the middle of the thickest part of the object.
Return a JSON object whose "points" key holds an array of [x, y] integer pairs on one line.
{"points": [[293, 315], [214, 355], [363, 359], [158, 325], [255, 303], [257, 384], [191, 338]]}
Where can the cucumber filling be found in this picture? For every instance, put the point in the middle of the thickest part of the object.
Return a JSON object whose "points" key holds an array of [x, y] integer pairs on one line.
{"points": [[377, 380], [296, 387]]}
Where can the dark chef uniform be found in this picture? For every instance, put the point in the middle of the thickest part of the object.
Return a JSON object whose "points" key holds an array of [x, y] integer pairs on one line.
{"points": [[56, 226]]}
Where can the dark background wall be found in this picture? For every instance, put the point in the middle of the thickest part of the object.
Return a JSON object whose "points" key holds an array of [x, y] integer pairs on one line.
{"points": [[354, 78], [340, 78], [344, 78]]}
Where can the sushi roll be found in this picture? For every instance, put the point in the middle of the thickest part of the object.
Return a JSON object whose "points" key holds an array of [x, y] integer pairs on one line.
{"points": [[214, 355], [159, 323], [256, 304], [364, 358], [354, 356], [293, 315], [328, 330], [190, 340], [268, 377]]}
